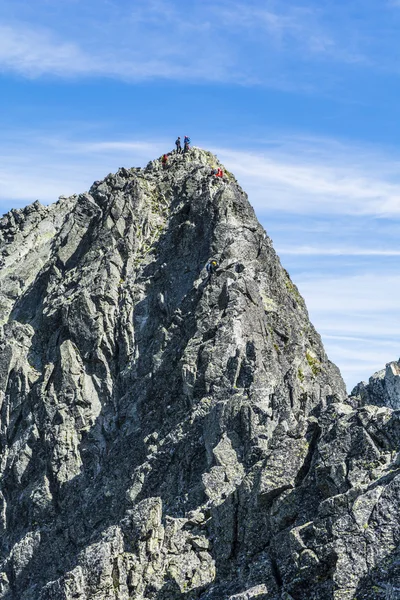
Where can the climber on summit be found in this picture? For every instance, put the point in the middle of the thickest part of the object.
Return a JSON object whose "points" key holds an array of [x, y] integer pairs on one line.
{"points": [[217, 171], [211, 267], [164, 160], [178, 145], [186, 143]]}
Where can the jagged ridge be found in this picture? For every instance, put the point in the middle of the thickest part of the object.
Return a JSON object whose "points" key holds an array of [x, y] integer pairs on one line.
{"points": [[164, 436]]}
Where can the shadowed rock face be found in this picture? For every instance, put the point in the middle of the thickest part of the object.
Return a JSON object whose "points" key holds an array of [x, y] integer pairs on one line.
{"points": [[165, 436]]}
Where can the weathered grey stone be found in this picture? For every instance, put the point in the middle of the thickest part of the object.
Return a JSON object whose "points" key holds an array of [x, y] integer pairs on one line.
{"points": [[382, 389], [164, 435]]}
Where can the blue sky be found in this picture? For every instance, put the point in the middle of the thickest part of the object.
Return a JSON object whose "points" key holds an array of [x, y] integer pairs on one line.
{"points": [[298, 99]]}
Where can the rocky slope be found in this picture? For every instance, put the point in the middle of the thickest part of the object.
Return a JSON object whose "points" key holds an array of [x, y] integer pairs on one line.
{"points": [[164, 436]]}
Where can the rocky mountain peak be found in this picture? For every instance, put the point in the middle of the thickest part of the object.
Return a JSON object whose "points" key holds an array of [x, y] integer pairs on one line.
{"points": [[382, 389], [168, 434]]}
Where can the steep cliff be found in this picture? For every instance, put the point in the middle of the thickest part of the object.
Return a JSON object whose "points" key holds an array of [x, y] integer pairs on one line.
{"points": [[169, 436]]}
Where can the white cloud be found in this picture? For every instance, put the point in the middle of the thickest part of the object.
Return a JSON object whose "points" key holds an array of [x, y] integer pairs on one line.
{"points": [[116, 148], [339, 251], [153, 41], [358, 318], [39, 167], [356, 294], [285, 46], [213, 41], [293, 177], [291, 25], [33, 53]]}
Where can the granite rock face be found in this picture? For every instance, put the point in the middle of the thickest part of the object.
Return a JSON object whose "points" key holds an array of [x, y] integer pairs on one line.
{"points": [[165, 435], [383, 388]]}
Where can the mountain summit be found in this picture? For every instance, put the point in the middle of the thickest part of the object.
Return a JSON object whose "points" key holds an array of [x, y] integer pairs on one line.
{"points": [[168, 434]]}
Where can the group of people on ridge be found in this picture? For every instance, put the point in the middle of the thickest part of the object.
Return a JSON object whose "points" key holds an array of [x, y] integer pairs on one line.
{"points": [[186, 144], [216, 171], [186, 147]]}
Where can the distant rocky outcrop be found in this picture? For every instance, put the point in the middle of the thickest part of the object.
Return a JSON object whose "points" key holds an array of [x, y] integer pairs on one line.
{"points": [[382, 389], [166, 436]]}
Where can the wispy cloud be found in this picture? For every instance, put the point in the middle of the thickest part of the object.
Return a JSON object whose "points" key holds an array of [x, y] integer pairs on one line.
{"points": [[288, 27], [296, 179], [358, 318], [359, 294], [34, 52], [339, 251], [36, 166], [213, 42]]}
